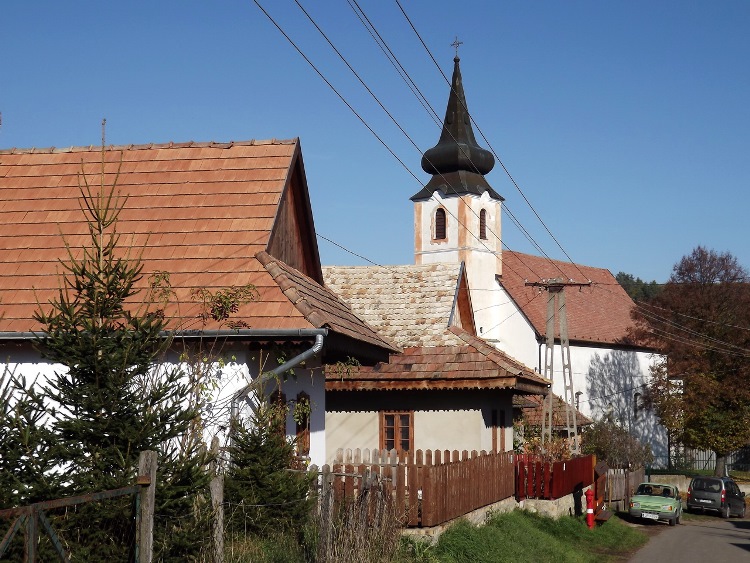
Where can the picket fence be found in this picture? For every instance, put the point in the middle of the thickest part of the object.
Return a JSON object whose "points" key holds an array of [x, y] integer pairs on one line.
{"points": [[541, 479], [427, 488]]}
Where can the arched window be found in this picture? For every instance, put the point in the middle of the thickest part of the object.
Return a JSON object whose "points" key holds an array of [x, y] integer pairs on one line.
{"points": [[483, 224], [302, 418], [440, 224]]}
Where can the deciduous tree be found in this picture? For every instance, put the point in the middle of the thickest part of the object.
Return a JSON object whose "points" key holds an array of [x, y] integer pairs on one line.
{"points": [[701, 322]]}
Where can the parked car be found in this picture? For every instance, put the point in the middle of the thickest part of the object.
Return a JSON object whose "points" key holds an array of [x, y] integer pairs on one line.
{"points": [[716, 493], [656, 501]]}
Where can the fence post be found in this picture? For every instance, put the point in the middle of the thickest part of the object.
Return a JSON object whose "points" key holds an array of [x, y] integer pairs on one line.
{"points": [[145, 532], [216, 488]]}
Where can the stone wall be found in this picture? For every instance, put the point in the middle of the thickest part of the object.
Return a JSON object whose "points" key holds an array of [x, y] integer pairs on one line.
{"points": [[570, 505]]}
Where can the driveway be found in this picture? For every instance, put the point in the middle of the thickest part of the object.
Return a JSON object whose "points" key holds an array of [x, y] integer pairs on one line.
{"points": [[699, 539]]}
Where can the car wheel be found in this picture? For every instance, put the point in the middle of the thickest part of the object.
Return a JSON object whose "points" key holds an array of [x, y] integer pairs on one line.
{"points": [[744, 509], [678, 518], [673, 521], [725, 511]]}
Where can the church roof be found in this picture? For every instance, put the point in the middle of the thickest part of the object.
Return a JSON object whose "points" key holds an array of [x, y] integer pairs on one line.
{"points": [[596, 314], [458, 164], [211, 215], [410, 305]]}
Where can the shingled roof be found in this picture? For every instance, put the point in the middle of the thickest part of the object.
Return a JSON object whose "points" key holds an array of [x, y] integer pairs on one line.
{"points": [[597, 314], [472, 364], [200, 211], [531, 408], [410, 305]]}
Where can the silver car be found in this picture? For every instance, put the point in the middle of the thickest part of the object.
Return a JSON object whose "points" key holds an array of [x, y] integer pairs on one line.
{"points": [[720, 494]]}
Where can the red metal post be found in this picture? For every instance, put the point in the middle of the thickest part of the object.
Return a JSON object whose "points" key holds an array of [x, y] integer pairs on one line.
{"points": [[589, 508]]}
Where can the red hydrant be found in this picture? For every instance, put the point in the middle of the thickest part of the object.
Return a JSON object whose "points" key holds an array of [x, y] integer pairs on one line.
{"points": [[589, 508]]}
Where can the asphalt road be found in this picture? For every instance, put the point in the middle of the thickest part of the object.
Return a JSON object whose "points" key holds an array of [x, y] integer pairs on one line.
{"points": [[702, 539]]}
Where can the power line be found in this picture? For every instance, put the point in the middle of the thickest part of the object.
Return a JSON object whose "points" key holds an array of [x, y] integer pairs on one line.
{"points": [[372, 130], [507, 172]]}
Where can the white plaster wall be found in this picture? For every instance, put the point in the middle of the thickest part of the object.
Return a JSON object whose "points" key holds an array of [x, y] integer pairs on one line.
{"points": [[351, 430], [509, 330], [237, 367], [442, 419]]}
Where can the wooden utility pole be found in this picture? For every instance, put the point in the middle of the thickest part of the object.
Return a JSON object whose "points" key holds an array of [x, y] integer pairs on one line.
{"points": [[556, 304]]}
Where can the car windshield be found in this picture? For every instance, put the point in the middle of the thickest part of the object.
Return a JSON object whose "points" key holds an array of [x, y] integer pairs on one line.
{"points": [[654, 490]]}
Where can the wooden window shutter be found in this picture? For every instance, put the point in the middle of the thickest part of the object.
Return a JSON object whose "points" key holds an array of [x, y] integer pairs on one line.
{"points": [[483, 224], [302, 418], [440, 224]]}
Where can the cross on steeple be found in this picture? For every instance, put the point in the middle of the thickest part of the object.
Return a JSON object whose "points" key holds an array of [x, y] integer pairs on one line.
{"points": [[456, 44]]}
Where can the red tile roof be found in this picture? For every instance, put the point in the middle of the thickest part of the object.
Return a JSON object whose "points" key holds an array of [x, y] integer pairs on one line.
{"points": [[473, 365], [199, 211], [599, 313], [320, 306]]}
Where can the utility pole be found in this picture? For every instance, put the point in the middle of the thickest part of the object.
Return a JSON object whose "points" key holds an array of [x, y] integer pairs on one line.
{"points": [[555, 289]]}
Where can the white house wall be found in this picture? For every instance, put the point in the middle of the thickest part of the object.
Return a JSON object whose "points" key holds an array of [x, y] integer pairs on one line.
{"points": [[231, 373], [607, 378], [444, 420]]}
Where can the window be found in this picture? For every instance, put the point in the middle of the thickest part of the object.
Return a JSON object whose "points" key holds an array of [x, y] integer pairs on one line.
{"points": [[440, 224], [302, 418], [483, 224], [397, 431]]}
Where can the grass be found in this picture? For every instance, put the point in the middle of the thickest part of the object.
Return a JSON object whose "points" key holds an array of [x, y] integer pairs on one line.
{"points": [[524, 536], [517, 536]]}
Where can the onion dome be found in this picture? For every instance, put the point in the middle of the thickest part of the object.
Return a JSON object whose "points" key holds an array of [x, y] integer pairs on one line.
{"points": [[458, 164]]}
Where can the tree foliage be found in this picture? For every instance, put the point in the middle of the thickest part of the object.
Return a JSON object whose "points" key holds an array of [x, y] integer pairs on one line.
{"points": [[109, 401], [262, 494], [614, 445], [701, 322], [638, 289]]}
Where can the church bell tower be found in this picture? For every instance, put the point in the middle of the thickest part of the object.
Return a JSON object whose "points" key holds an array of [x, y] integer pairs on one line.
{"points": [[457, 214]]}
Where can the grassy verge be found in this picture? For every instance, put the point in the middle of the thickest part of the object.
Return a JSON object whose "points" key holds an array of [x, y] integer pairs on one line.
{"points": [[522, 536]]}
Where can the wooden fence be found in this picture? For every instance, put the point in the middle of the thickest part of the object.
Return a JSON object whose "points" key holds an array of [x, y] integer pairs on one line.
{"points": [[620, 485], [427, 487], [540, 479]]}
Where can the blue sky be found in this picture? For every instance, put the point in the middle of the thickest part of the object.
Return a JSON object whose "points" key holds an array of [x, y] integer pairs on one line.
{"points": [[624, 123]]}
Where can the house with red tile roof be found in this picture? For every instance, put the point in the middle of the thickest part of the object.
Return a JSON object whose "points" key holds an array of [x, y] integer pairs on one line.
{"points": [[447, 389], [211, 216]]}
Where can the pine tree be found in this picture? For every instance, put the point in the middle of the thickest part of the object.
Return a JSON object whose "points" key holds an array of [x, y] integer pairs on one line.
{"points": [[262, 494], [113, 400]]}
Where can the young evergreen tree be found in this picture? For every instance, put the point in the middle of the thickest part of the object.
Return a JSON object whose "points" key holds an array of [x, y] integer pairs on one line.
{"points": [[112, 401], [262, 494]]}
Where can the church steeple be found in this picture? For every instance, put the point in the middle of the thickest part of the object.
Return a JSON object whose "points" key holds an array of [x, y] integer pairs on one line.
{"points": [[458, 164]]}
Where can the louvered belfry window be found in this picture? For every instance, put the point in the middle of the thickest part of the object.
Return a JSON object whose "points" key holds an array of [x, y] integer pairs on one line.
{"points": [[483, 224], [440, 224]]}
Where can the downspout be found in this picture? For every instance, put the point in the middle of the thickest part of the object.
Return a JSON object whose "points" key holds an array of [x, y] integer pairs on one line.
{"points": [[320, 334]]}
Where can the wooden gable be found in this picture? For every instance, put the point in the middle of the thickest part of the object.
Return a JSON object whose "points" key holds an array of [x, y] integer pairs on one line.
{"points": [[292, 239]]}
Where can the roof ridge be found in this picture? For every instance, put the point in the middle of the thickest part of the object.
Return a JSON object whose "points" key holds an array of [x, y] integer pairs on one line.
{"points": [[149, 146]]}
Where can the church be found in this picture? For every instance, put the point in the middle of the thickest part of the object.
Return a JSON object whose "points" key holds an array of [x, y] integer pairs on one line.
{"points": [[463, 289]]}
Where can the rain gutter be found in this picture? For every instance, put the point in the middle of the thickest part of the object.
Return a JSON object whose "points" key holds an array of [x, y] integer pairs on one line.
{"points": [[319, 333], [259, 333]]}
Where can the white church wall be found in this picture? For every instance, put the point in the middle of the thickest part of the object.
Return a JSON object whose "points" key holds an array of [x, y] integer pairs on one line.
{"points": [[613, 382]]}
